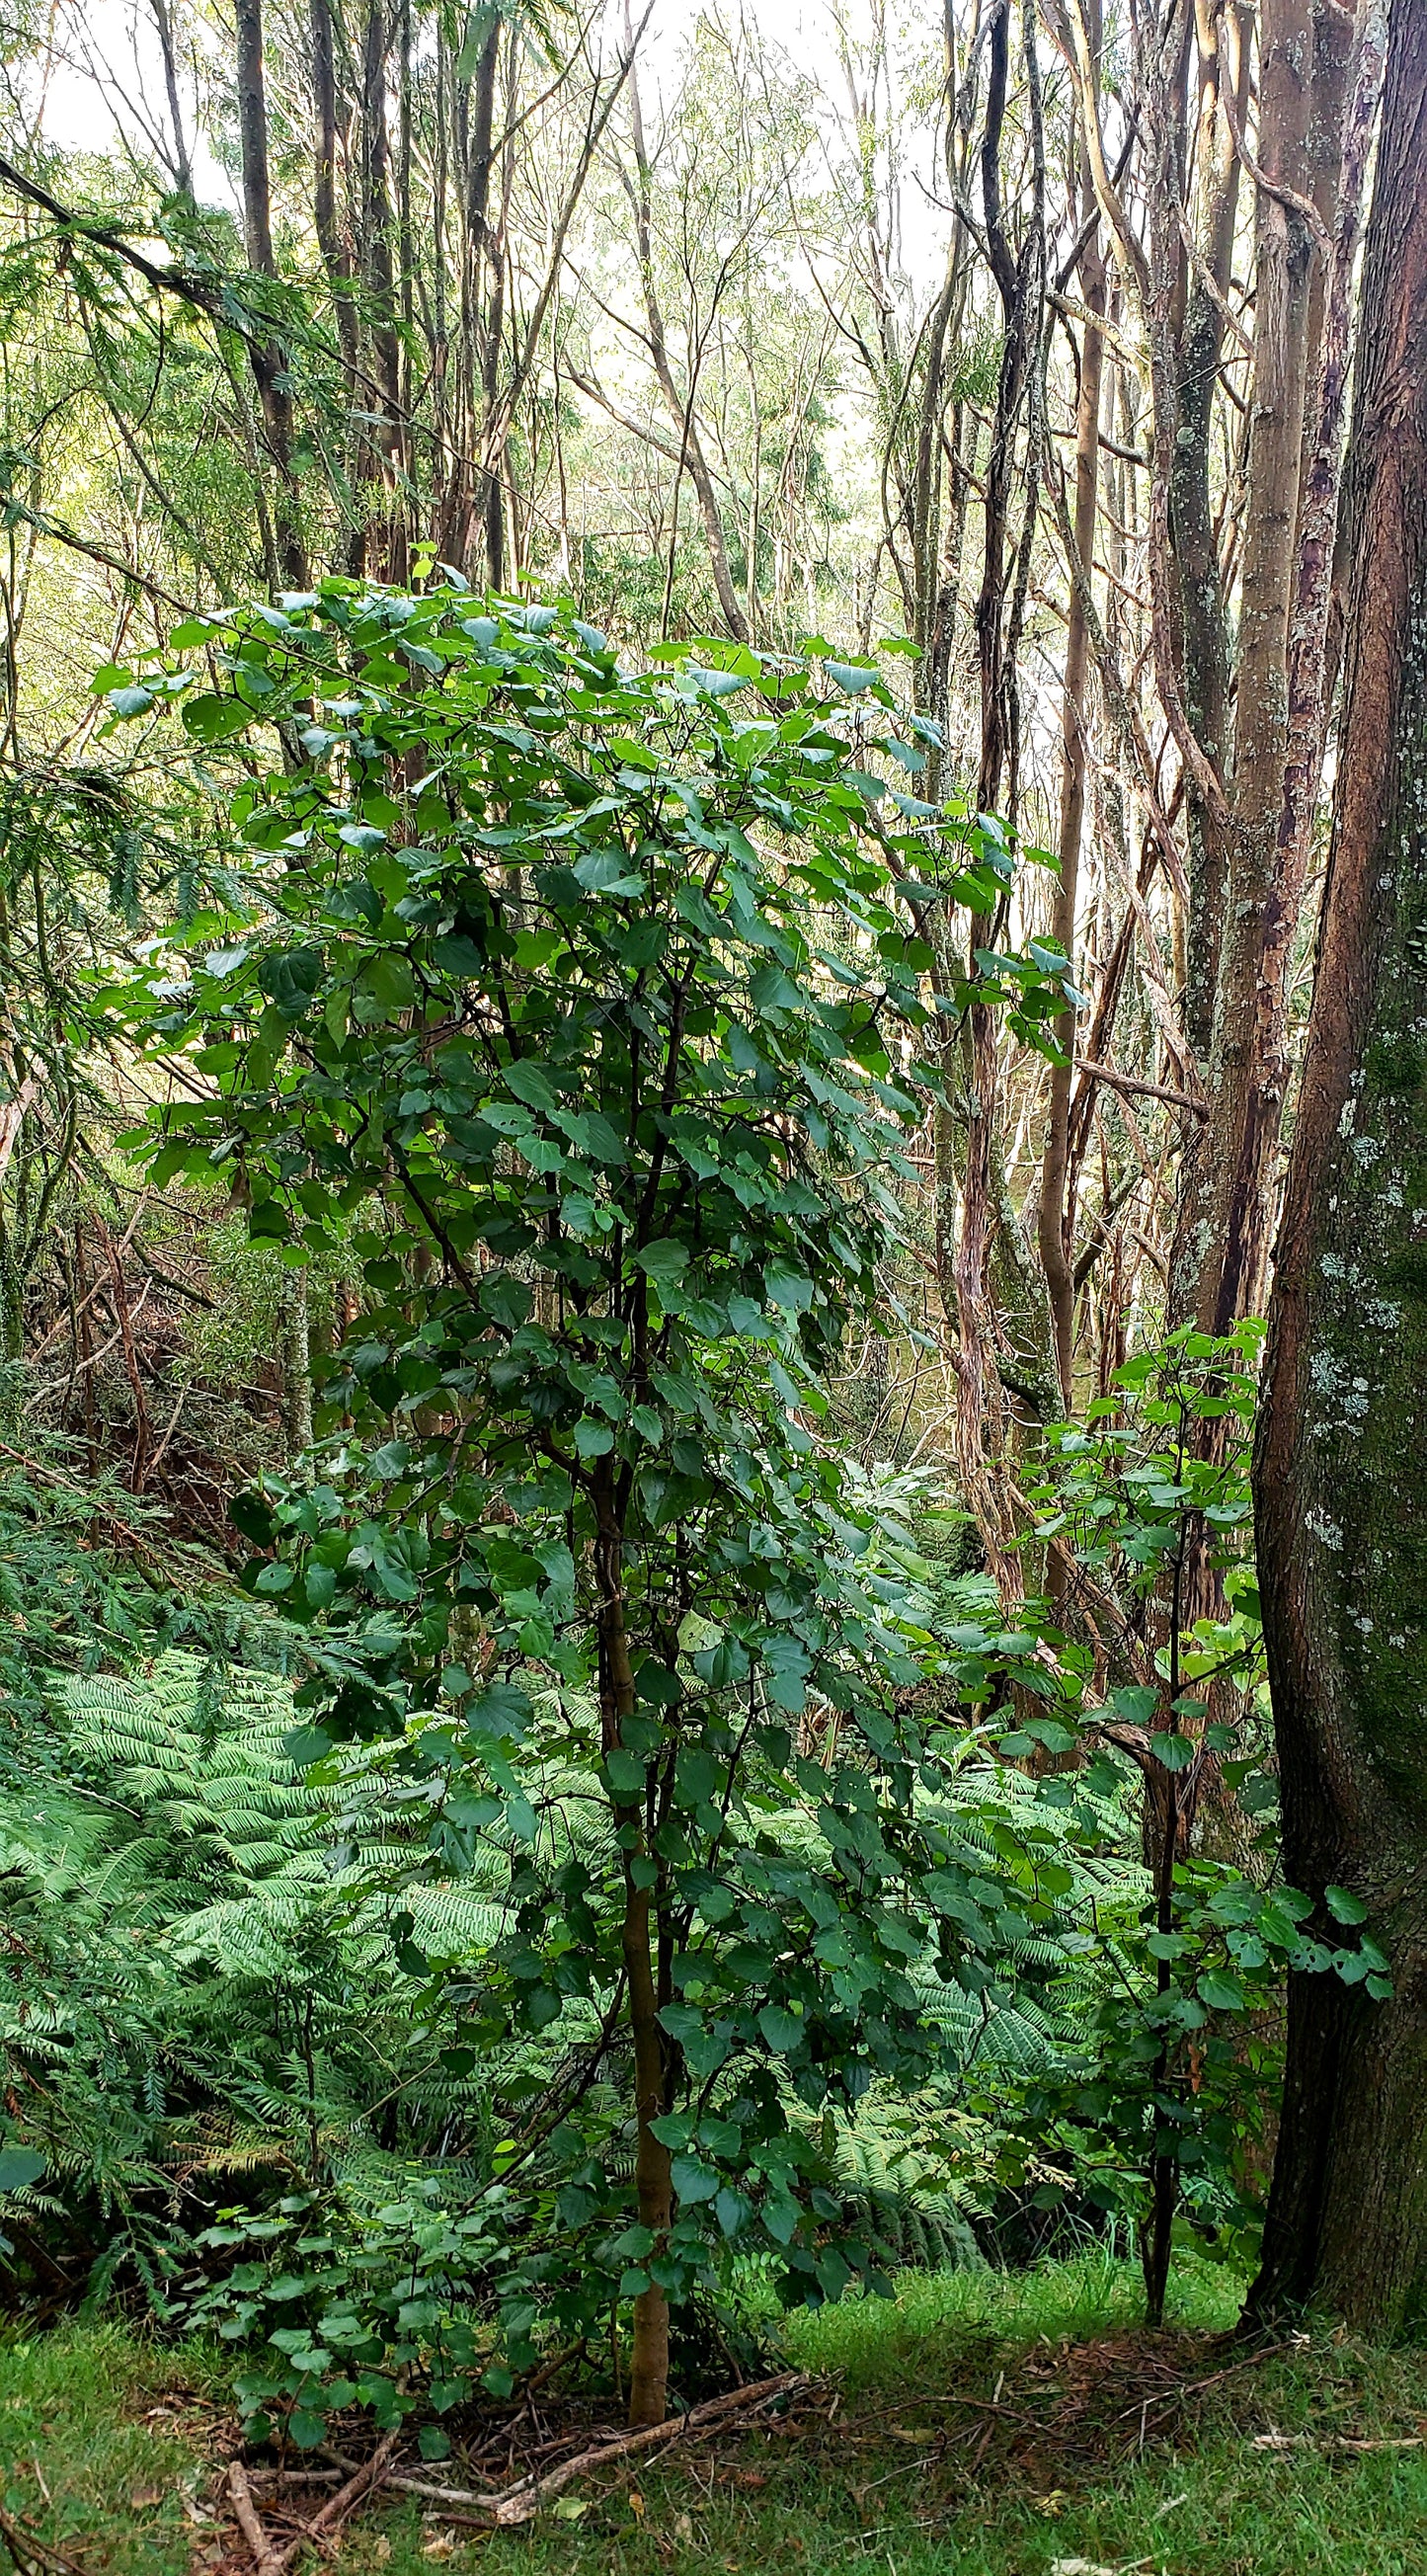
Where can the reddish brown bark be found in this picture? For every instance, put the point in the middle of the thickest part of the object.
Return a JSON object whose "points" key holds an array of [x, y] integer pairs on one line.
{"points": [[1342, 1527]]}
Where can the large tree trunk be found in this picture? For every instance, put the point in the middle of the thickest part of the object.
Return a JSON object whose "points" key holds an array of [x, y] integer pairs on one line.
{"points": [[1341, 1510], [1264, 1002]]}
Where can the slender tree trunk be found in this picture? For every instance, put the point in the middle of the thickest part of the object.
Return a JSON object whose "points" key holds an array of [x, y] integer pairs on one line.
{"points": [[1236, 1171], [969, 1059], [1342, 1524], [493, 440], [335, 257], [295, 1361], [84, 1312], [1222, 71], [267, 358], [679, 407], [1019, 277], [945, 618], [387, 538], [1056, 1215], [653, 2174], [253, 137], [1220, 61], [969, 1069], [466, 506], [181, 164]]}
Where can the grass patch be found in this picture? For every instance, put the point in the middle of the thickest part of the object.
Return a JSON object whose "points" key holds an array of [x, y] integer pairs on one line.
{"points": [[103, 2434], [982, 2424]]}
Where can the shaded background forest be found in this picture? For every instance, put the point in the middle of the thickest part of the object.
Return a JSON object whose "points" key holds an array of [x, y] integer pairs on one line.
{"points": [[887, 338]]}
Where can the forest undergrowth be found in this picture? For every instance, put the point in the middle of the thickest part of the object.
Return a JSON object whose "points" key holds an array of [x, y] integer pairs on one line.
{"points": [[986, 2423]]}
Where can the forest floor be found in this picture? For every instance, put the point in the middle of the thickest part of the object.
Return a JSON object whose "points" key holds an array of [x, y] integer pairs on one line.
{"points": [[986, 2424]]}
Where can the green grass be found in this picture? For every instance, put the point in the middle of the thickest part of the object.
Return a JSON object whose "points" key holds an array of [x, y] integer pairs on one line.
{"points": [[878, 2487], [105, 2423]]}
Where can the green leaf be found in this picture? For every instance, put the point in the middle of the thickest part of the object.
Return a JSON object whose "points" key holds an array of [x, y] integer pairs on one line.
{"points": [[387, 982], [788, 1289], [607, 872], [19, 2167], [531, 1085], [1176, 1752], [307, 1744], [1344, 1906], [693, 2181], [212, 719], [664, 1261], [594, 1136]]}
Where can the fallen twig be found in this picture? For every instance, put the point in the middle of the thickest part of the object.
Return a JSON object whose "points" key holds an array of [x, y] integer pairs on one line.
{"points": [[264, 2556], [401, 2484], [34, 2557], [1338, 2441], [519, 2503], [522, 2504], [1193, 2387], [372, 2473], [301, 2477], [523, 2501], [993, 2406]]}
